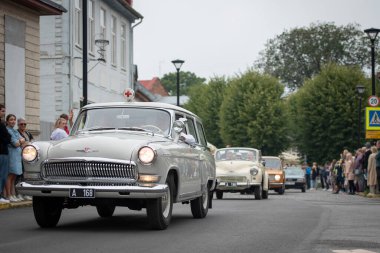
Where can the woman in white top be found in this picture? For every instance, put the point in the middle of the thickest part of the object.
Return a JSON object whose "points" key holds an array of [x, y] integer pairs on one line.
{"points": [[59, 131]]}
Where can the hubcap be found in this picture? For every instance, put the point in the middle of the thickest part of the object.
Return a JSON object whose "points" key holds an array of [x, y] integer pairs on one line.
{"points": [[165, 203], [205, 199]]}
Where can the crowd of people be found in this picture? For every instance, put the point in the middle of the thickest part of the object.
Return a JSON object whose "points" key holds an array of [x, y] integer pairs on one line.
{"points": [[351, 173], [12, 140]]}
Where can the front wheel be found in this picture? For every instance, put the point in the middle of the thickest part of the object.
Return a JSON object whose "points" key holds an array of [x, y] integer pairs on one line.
{"points": [[219, 194], [258, 192], [47, 211], [199, 206], [159, 210], [105, 211], [265, 194], [304, 188], [281, 191]]}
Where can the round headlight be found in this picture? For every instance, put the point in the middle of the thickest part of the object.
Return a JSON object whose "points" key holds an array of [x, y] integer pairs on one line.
{"points": [[146, 155], [29, 153], [277, 177], [254, 172]]}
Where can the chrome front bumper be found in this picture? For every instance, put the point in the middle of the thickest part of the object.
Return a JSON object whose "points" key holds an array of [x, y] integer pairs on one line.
{"points": [[122, 192], [222, 186]]}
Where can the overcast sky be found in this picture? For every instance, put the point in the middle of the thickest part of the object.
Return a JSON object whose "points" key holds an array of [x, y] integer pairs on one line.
{"points": [[224, 37]]}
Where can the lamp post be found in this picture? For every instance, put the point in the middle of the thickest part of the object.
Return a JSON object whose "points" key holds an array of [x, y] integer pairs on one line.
{"points": [[360, 90], [177, 64], [372, 34]]}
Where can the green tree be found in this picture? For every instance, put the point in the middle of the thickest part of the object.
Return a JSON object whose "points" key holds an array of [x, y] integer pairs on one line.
{"points": [[324, 113], [300, 53], [205, 101], [187, 80], [252, 113]]}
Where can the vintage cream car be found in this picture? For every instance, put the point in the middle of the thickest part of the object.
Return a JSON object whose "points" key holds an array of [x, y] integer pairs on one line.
{"points": [[132, 154], [273, 165], [240, 170]]}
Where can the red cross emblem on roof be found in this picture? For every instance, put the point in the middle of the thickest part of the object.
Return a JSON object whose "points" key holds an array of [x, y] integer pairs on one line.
{"points": [[129, 94]]}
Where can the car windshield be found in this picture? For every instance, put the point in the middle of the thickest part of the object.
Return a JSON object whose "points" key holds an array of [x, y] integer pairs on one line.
{"points": [[272, 163], [294, 171], [236, 154], [124, 118]]}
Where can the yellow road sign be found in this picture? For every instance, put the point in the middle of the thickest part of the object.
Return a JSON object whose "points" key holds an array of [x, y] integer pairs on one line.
{"points": [[372, 134], [372, 118]]}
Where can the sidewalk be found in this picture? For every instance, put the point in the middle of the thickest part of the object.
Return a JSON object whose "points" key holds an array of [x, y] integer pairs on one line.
{"points": [[11, 205]]}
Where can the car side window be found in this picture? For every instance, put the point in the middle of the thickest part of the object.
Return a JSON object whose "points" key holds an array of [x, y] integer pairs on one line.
{"points": [[202, 137], [192, 131], [177, 117]]}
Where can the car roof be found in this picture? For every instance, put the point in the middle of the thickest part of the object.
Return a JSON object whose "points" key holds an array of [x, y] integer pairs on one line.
{"points": [[155, 105], [238, 148], [276, 157]]}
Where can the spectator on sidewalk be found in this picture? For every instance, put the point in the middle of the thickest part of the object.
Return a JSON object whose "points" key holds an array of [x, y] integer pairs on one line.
{"points": [[349, 173], [21, 123], [314, 175], [378, 167], [371, 171], [332, 176], [69, 120], [59, 132], [358, 170], [367, 153], [14, 158], [5, 140], [308, 175], [339, 176]]}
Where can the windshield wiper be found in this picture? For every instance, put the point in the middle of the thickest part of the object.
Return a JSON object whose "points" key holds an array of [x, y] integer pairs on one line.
{"points": [[133, 129], [97, 128]]}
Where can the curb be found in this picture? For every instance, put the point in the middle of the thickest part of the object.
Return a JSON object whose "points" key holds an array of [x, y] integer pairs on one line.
{"points": [[15, 205]]}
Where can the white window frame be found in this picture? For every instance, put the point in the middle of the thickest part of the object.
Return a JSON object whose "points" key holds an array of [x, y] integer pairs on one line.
{"points": [[123, 46], [91, 27], [78, 23], [103, 27], [113, 40]]}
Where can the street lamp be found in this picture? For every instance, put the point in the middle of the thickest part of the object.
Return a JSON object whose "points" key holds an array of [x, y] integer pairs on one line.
{"points": [[372, 34], [177, 64], [360, 90]]}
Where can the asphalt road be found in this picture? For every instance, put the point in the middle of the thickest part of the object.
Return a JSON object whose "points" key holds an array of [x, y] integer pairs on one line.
{"points": [[315, 221]]}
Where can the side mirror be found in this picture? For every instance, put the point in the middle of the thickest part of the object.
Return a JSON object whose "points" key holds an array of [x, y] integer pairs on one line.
{"points": [[263, 163]]}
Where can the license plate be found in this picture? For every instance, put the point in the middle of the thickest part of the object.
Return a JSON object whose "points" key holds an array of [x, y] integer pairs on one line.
{"points": [[82, 193], [231, 184], [290, 183]]}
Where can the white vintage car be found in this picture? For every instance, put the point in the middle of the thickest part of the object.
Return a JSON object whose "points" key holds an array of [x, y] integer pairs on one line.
{"points": [[132, 154], [240, 170]]}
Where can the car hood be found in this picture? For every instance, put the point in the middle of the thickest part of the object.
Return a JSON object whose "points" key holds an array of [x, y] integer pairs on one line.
{"points": [[112, 145], [233, 167]]}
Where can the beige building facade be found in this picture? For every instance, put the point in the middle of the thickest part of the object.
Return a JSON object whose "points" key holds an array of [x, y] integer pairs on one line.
{"points": [[20, 57]]}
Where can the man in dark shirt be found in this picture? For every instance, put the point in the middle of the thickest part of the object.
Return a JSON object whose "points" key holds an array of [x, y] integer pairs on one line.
{"points": [[5, 139], [365, 160]]}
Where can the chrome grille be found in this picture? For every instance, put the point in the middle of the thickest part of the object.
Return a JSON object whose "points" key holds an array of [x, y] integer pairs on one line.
{"points": [[100, 171], [233, 179]]}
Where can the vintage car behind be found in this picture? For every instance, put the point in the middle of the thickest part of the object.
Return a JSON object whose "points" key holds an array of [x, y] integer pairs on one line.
{"points": [[273, 165], [132, 154], [240, 170], [295, 178]]}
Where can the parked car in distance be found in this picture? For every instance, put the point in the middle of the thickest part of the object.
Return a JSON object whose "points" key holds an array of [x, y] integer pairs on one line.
{"points": [[295, 178], [273, 165], [131, 154], [240, 170]]}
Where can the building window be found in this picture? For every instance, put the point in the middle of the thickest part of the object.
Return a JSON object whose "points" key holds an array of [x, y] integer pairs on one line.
{"points": [[123, 46], [103, 27], [113, 40], [78, 23], [91, 26]]}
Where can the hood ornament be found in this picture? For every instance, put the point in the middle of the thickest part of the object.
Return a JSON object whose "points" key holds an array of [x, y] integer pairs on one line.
{"points": [[87, 150]]}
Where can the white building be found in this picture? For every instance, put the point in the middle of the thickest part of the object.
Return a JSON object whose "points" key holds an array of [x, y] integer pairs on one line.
{"points": [[110, 67]]}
